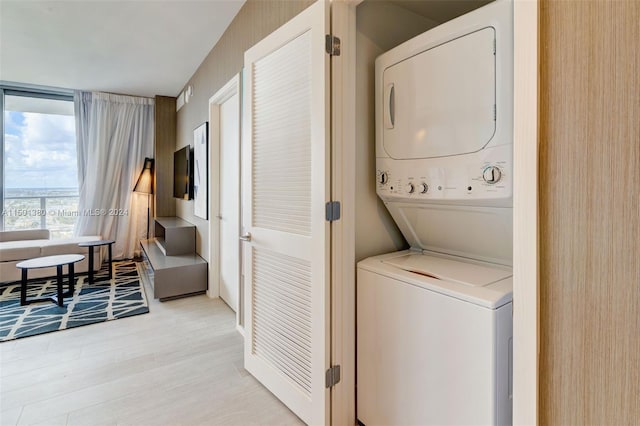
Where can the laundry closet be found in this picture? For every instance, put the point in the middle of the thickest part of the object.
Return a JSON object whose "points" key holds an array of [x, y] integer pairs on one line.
{"points": [[381, 26], [434, 179]]}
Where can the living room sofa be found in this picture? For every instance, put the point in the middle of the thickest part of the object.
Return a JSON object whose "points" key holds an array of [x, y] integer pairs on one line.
{"points": [[16, 246]]}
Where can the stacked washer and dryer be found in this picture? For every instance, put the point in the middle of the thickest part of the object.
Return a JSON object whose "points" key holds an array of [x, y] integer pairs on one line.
{"points": [[434, 323]]}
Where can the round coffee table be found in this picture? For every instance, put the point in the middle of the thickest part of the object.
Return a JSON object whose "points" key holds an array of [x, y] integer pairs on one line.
{"points": [[47, 262], [91, 245]]}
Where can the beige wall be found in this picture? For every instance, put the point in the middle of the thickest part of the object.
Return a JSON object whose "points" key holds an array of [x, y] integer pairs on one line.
{"points": [[376, 232], [589, 212], [381, 26], [256, 19]]}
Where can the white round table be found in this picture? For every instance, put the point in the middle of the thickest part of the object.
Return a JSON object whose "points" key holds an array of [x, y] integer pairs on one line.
{"points": [[47, 262]]}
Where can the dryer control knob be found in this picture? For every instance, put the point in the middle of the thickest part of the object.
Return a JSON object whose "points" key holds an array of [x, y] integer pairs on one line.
{"points": [[423, 188], [492, 174], [410, 188], [383, 178]]}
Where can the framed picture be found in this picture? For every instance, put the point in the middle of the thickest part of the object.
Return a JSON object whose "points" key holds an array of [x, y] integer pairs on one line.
{"points": [[201, 170]]}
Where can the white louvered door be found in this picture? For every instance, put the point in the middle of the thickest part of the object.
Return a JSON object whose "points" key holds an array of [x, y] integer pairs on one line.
{"points": [[285, 187]]}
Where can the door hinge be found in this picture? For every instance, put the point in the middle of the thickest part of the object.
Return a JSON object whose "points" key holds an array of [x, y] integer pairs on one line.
{"points": [[494, 46], [332, 376], [332, 45], [495, 112], [332, 211]]}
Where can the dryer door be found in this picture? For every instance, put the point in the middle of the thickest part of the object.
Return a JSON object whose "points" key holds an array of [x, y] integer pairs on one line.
{"points": [[442, 101]]}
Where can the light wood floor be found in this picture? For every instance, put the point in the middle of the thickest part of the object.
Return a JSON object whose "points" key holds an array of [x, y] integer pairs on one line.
{"points": [[181, 364]]}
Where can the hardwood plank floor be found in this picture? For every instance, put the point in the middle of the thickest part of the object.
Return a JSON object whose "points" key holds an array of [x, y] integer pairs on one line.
{"points": [[181, 364]]}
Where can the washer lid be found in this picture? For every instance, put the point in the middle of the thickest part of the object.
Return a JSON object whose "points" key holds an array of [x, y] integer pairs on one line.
{"points": [[401, 267], [470, 274]]}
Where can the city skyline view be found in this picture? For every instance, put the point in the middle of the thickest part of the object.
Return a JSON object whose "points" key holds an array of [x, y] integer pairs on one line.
{"points": [[40, 180]]}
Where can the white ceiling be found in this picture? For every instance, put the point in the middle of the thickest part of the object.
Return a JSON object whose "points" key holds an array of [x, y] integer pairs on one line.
{"points": [[136, 47]]}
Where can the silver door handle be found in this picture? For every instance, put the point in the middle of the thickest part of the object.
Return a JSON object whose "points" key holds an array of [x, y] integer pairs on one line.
{"points": [[246, 237]]}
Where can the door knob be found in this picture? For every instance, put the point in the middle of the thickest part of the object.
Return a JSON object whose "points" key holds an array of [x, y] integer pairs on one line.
{"points": [[246, 237]]}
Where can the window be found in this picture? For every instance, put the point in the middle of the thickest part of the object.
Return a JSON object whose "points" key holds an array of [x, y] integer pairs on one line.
{"points": [[40, 180]]}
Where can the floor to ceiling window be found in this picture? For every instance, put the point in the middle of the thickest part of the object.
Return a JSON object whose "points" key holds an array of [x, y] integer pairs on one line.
{"points": [[39, 167]]}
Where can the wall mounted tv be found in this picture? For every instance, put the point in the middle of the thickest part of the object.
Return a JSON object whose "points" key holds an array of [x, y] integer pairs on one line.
{"points": [[183, 173]]}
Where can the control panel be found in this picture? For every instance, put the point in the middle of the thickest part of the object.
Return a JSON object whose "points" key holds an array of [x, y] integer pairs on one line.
{"points": [[452, 180]]}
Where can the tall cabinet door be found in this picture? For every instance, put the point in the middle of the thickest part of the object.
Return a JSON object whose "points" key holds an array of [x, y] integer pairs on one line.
{"points": [[285, 188]]}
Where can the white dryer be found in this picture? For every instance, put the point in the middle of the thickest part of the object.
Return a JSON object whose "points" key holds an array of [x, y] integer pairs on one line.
{"points": [[434, 323]]}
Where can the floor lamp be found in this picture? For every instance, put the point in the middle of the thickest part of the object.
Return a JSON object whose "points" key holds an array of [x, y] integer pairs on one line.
{"points": [[144, 185]]}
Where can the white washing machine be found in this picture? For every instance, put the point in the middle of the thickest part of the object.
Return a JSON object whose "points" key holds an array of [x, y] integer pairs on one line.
{"points": [[434, 323], [434, 341]]}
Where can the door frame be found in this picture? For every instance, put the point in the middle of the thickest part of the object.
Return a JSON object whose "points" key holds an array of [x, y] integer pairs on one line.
{"points": [[232, 87], [343, 176], [525, 212]]}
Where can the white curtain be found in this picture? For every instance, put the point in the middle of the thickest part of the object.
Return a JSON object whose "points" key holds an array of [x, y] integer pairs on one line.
{"points": [[114, 134]]}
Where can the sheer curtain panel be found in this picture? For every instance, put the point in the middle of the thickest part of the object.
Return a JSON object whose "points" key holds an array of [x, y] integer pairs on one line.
{"points": [[114, 134]]}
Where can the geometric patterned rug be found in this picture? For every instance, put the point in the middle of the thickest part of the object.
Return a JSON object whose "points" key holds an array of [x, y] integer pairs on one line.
{"points": [[103, 300]]}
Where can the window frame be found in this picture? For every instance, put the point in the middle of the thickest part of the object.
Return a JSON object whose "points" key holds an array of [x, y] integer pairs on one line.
{"points": [[30, 91]]}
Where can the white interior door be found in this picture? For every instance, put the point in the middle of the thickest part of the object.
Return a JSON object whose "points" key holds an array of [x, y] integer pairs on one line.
{"points": [[224, 184], [229, 217], [285, 187]]}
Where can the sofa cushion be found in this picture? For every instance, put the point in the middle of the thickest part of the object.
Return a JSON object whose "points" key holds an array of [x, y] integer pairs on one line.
{"points": [[20, 250], [66, 245]]}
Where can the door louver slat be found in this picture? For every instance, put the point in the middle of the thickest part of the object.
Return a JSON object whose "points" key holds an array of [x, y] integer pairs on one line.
{"points": [[281, 157], [282, 314]]}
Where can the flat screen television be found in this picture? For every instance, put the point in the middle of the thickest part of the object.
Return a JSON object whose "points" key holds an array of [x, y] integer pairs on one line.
{"points": [[183, 173]]}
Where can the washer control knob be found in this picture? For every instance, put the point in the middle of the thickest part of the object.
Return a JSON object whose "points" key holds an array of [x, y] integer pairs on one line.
{"points": [[383, 178], [410, 188], [492, 174], [423, 188]]}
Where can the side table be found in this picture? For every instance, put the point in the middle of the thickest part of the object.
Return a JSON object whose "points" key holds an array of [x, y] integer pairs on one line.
{"points": [[91, 245], [47, 262]]}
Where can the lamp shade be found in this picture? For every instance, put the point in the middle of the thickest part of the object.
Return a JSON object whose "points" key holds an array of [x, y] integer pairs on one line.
{"points": [[145, 181]]}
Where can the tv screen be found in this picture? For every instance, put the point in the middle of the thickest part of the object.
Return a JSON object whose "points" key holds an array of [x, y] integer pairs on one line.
{"points": [[183, 173]]}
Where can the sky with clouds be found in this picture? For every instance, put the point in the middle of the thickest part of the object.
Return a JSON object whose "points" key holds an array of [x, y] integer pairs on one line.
{"points": [[39, 150]]}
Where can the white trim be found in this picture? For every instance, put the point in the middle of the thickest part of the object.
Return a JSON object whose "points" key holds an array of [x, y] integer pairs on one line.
{"points": [[525, 214], [240, 329], [231, 88]]}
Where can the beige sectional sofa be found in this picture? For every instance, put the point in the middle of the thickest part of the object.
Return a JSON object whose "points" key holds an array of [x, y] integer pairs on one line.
{"points": [[16, 246]]}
